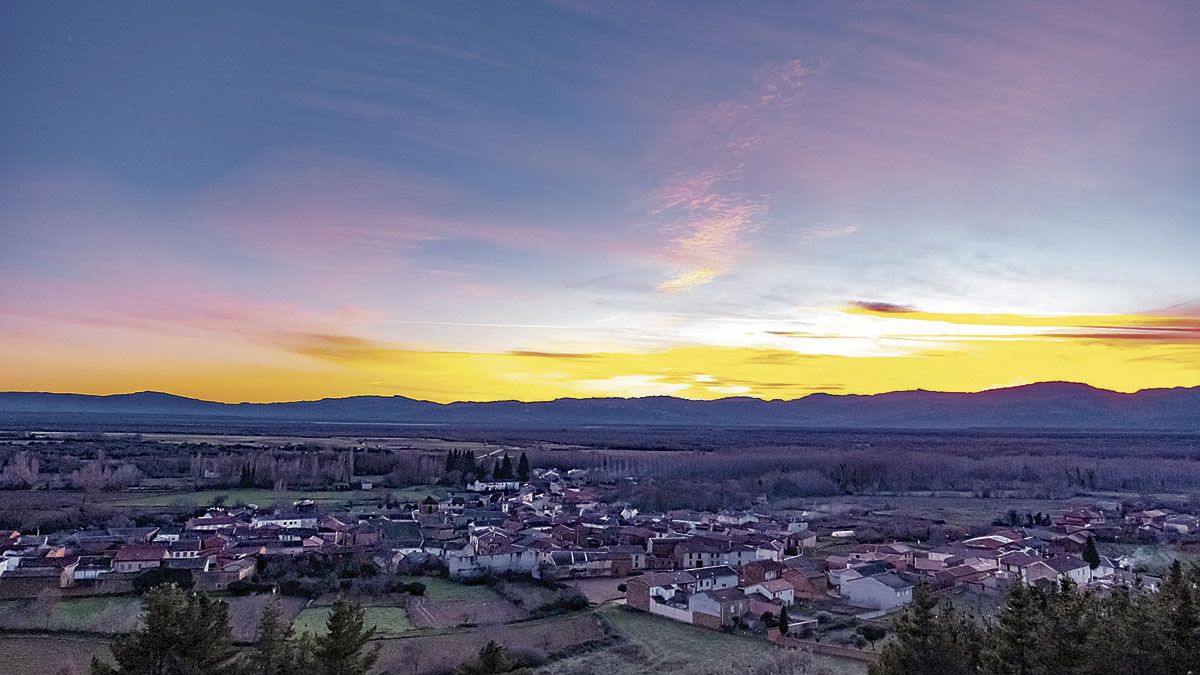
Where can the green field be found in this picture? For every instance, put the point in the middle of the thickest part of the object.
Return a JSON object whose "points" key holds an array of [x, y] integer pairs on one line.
{"points": [[103, 615], [663, 645], [438, 589], [114, 614], [387, 620]]}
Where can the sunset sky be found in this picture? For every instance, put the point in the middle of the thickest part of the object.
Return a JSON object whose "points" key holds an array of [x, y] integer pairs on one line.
{"points": [[475, 201]]}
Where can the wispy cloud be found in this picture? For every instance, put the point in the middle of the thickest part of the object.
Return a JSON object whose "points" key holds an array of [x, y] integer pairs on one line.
{"points": [[704, 209]]}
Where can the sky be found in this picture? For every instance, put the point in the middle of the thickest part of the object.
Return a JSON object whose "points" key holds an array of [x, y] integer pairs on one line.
{"points": [[479, 200]]}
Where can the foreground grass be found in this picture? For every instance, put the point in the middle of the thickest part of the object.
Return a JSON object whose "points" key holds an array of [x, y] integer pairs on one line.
{"points": [[388, 621]]}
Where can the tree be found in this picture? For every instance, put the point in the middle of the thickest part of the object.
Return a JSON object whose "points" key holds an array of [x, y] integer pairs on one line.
{"points": [[1014, 649], [493, 658], [182, 633], [505, 472], [341, 651], [929, 640], [872, 633], [783, 620], [523, 467], [1090, 555], [274, 653]]}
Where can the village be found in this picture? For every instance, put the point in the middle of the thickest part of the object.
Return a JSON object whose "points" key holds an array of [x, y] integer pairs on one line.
{"points": [[745, 570]]}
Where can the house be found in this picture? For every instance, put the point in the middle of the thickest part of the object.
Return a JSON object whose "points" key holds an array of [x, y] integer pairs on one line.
{"points": [[92, 567], [642, 591], [715, 578], [762, 570], [776, 590], [286, 519], [1018, 563], [807, 576], [692, 553], [884, 590], [475, 561], [1181, 524], [494, 486], [717, 609], [627, 558], [575, 565], [213, 523], [1070, 567], [138, 558]]}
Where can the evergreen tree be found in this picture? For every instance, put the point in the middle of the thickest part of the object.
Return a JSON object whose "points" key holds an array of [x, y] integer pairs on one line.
{"points": [[927, 642], [274, 653], [783, 620], [493, 658], [183, 633], [523, 467], [342, 650], [304, 654], [1014, 647], [505, 472], [1182, 631], [1090, 555]]}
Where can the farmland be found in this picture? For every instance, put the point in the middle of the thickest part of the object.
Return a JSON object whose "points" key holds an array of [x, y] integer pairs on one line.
{"points": [[38, 655], [388, 621], [651, 644], [109, 615]]}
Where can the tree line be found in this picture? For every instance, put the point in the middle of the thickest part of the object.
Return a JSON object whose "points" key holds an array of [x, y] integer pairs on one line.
{"points": [[462, 463], [1053, 629]]}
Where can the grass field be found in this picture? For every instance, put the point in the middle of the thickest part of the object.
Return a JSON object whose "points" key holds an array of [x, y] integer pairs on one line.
{"points": [[116, 614], [245, 612], [438, 589], [388, 621], [663, 645], [36, 655], [441, 652]]}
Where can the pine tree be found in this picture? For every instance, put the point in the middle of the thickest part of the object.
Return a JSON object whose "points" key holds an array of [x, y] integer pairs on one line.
{"points": [[342, 650], [1090, 555], [1182, 627], [274, 652], [523, 467], [1014, 645], [783, 620], [505, 472], [493, 658], [183, 633], [928, 642]]}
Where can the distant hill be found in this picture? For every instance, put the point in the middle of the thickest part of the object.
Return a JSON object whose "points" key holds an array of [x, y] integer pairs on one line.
{"points": [[1048, 405]]}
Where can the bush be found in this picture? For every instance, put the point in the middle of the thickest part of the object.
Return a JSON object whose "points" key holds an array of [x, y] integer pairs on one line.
{"points": [[416, 588], [245, 587]]}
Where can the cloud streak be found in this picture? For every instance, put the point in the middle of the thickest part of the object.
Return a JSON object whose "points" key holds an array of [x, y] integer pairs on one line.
{"points": [[704, 211]]}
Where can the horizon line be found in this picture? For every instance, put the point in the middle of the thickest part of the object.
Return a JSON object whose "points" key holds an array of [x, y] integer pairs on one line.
{"points": [[601, 398]]}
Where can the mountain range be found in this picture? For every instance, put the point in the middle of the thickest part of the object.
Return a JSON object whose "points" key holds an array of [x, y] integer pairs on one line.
{"points": [[1046, 405]]}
